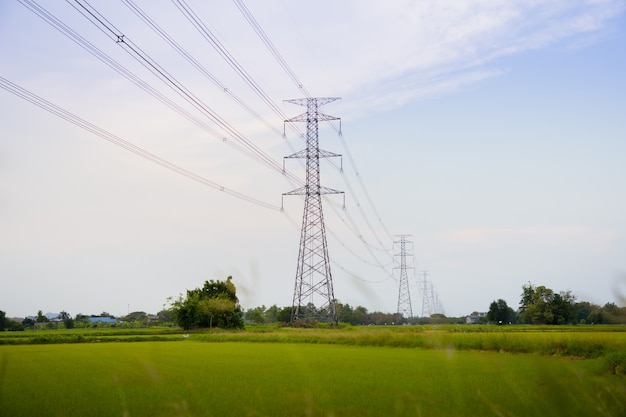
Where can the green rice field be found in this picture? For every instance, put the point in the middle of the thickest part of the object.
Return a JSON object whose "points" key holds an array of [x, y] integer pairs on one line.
{"points": [[376, 371]]}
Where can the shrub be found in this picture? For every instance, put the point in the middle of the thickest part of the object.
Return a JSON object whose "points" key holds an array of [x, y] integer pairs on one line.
{"points": [[616, 362]]}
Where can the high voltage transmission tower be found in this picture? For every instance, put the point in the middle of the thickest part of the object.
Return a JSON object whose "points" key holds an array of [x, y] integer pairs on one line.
{"points": [[313, 277], [405, 309], [431, 303]]}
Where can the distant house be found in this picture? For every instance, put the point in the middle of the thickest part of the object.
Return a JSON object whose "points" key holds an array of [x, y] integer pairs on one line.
{"points": [[474, 318], [108, 320]]}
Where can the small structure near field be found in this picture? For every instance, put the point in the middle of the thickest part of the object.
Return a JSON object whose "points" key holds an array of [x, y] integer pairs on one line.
{"points": [[107, 320]]}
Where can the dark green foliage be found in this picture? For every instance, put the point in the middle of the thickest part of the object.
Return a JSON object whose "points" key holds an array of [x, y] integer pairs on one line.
{"points": [[616, 362], [136, 316], [165, 317], [284, 315], [541, 305], [256, 315], [28, 323], [500, 313], [41, 318], [67, 320], [213, 305]]}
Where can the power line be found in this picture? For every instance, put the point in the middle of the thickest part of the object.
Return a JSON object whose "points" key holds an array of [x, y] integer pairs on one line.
{"points": [[136, 52], [116, 140], [114, 34], [279, 58], [194, 62], [274, 51], [270, 45], [120, 69], [208, 35]]}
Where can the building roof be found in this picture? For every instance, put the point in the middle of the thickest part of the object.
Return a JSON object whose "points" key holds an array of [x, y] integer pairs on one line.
{"points": [[102, 320]]}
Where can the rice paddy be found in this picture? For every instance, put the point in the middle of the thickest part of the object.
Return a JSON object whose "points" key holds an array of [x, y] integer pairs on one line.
{"points": [[378, 371]]}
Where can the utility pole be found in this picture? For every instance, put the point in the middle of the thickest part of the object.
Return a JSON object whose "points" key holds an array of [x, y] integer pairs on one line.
{"points": [[313, 276], [405, 309]]}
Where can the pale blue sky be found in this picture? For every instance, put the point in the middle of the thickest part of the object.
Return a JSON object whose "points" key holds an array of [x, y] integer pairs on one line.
{"points": [[492, 132]]}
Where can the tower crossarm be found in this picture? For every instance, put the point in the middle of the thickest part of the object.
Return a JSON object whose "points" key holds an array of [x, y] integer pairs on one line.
{"points": [[304, 117], [320, 154], [304, 191], [305, 101]]}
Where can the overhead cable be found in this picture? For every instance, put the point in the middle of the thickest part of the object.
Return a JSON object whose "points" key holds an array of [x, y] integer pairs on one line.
{"points": [[116, 140], [137, 53], [116, 66]]}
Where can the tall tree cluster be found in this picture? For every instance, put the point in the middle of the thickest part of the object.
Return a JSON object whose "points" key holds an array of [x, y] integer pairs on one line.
{"points": [[541, 305], [215, 304], [501, 313]]}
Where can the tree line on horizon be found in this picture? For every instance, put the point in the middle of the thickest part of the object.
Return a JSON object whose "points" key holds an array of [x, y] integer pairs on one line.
{"points": [[215, 304], [542, 305]]}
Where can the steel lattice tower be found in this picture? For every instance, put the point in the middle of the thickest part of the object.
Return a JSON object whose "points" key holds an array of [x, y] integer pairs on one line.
{"points": [[428, 295], [405, 309], [313, 276]]}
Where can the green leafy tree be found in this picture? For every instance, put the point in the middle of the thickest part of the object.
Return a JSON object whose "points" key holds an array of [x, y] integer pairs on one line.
{"points": [[166, 316], [582, 312], [609, 313], [255, 315], [41, 318], [136, 317], [67, 320], [562, 308], [500, 313], [284, 315], [360, 315], [345, 313], [270, 314], [3, 320], [541, 305], [214, 305], [81, 320]]}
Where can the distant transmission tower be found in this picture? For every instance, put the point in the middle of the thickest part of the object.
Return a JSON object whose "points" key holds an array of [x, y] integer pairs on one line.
{"points": [[425, 291], [313, 277], [405, 309], [431, 303]]}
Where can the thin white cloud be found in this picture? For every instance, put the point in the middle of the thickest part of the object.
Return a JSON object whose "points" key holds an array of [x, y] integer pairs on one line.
{"points": [[398, 47]]}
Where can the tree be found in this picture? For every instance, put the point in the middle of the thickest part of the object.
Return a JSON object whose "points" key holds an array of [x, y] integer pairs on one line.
{"points": [[541, 305], [270, 314], [360, 315], [81, 320], [68, 321], [3, 320], [166, 316], [256, 315], [562, 307], [214, 305], [497, 312], [139, 317], [28, 323], [500, 312], [283, 315], [41, 318], [345, 313]]}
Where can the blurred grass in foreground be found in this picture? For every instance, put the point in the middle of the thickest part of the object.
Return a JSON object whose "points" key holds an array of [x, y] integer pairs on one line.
{"points": [[195, 378]]}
